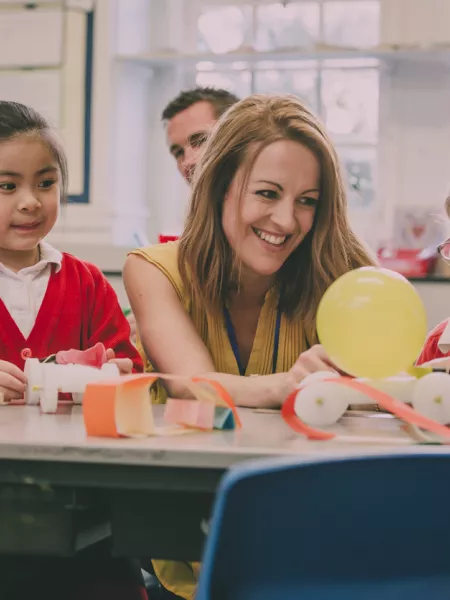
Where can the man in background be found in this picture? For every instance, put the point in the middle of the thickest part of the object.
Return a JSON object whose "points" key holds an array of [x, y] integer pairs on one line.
{"points": [[188, 118]]}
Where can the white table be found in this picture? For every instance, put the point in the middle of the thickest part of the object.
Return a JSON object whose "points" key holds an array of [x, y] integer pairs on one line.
{"points": [[27, 434], [60, 490]]}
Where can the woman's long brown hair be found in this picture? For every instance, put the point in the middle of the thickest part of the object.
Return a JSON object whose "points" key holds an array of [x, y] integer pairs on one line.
{"points": [[330, 249]]}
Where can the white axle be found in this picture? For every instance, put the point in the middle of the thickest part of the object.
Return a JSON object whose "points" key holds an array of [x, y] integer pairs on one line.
{"points": [[47, 380], [321, 403]]}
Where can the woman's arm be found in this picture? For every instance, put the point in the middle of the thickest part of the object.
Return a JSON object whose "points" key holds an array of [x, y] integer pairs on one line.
{"points": [[259, 391], [174, 346]]}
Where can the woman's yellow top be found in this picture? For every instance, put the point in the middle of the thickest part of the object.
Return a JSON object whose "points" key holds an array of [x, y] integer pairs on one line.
{"points": [[181, 578]]}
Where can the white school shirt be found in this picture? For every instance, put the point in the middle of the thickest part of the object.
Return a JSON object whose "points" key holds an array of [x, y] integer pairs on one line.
{"points": [[444, 340], [23, 292]]}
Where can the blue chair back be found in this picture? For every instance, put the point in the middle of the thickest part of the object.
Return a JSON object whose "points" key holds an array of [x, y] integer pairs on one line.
{"points": [[374, 527]]}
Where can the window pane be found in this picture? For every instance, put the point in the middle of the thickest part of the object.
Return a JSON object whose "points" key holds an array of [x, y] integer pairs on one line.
{"points": [[224, 28], [286, 64], [294, 25], [350, 23], [302, 83], [237, 65], [359, 169], [238, 82], [350, 104], [350, 63]]}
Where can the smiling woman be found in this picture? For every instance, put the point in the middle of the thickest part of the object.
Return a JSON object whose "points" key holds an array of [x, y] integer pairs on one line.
{"points": [[267, 233], [277, 209]]}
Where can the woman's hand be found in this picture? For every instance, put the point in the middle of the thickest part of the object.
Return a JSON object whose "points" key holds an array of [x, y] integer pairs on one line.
{"points": [[313, 360], [125, 365], [12, 381]]}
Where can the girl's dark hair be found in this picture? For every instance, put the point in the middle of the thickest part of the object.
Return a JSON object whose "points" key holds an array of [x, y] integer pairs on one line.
{"points": [[16, 119]]}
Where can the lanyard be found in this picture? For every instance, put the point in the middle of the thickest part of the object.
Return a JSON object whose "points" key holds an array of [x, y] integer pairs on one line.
{"points": [[234, 345]]}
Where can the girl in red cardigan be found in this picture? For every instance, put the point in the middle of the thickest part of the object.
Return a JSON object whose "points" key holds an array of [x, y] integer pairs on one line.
{"points": [[49, 302], [437, 344]]}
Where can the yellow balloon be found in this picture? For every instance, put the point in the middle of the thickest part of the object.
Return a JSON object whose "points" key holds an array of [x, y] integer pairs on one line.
{"points": [[372, 323]]}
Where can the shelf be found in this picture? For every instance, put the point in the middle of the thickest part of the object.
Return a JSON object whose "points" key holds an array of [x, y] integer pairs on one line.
{"points": [[21, 68], [435, 54], [430, 279]]}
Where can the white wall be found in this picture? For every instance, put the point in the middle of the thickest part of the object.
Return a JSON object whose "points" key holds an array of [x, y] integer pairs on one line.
{"points": [[414, 122], [43, 64], [90, 226], [136, 192], [436, 299], [135, 188], [414, 148]]}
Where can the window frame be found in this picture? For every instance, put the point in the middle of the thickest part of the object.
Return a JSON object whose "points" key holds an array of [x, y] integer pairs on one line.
{"points": [[320, 65]]}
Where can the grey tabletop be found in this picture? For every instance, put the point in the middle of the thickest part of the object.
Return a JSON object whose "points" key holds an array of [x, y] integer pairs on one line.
{"points": [[27, 434]]}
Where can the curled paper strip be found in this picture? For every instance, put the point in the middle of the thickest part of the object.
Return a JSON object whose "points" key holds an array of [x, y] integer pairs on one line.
{"points": [[397, 408], [93, 357], [222, 397], [121, 407]]}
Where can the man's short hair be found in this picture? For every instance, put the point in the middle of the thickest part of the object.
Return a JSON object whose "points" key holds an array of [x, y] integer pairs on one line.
{"points": [[220, 100]]}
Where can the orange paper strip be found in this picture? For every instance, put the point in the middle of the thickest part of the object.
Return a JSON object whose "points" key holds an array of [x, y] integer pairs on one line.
{"points": [[101, 402], [288, 414], [190, 413], [397, 408], [225, 396]]}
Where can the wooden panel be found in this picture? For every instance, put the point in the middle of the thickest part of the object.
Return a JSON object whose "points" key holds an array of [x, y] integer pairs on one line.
{"points": [[31, 38], [39, 89]]}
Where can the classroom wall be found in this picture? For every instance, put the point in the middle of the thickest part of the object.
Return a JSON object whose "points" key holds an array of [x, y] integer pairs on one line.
{"points": [[414, 148], [135, 191], [87, 229], [436, 299], [414, 125]]}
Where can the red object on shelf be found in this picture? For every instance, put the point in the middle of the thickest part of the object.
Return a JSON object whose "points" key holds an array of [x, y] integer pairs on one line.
{"points": [[407, 262], [163, 239]]}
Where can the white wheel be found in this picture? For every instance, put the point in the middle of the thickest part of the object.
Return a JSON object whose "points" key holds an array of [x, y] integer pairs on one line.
{"points": [[34, 374], [50, 390], [431, 397], [110, 370], [321, 404], [77, 398], [49, 399]]}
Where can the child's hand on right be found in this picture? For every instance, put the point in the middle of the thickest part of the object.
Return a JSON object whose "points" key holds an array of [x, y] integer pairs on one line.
{"points": [[12, 381], [125, 365]]}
